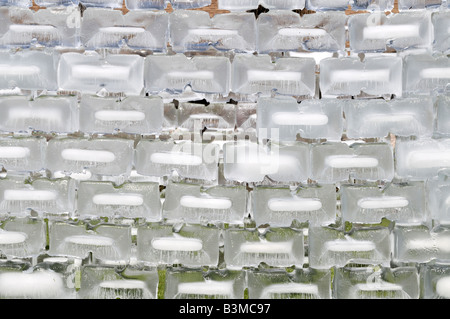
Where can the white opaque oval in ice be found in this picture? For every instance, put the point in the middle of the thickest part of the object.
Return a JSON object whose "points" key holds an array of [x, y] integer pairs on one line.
{"points": [[176, 159], [209, 287], [118, 199], [14, 152], [294, 204], [203, 202], [29, 194], [177, 244], [266, 247], [428, 159], [290, 118], [380, 202], [12, 238], [40, 285], [443, 287], [343, 161], [114, 115], [93, 240], [349, 245], [122, 284], [83, 155]]}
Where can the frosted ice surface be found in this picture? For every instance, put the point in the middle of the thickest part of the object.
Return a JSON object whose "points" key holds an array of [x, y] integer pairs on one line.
{"points": [[372, 5], [103, 3], [145, 4], [442, 127], [195, 30], [441, 24], [57, 3], [438, 197], [436, 282], [243, 5], [325, 5], [189, 4], [418, 4], [286, 30], [22, 155], [18, 3]]}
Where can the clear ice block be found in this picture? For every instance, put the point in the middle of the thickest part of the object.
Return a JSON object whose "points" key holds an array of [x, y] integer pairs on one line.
{"points": [[25, 154], [258, 75], [338, 162], [349, 76], [190, 246], [44, 113], [277, 247], [193, 203], [372, 5], [196, 31], [204, 74], [311, 119], [402, 203], [376, 283], [441, 24], [287, 31], [57, 3], [326, 5], [18, 3], [90, 73], [145, 4], [425, 73], [438, 197], [105, 28], [28, 70], [211, 284], [304, 283], [116, 4], [418, 4], [436, 281], [22, 27], [45, 197], [133, 114], [187, 159], [107, 282], [376, 118], [279, 207], [421, 159], [246, 161], [189, 4], [245, 5], [129, 200], [377, 32], [420, 244], [330, 247], [246, 118], [105, 242], [102, 156]]}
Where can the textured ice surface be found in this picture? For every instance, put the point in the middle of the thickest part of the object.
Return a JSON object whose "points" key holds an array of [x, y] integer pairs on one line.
{"points": [[403, 203], [54, 27], [192, 245], [195, 30], [438, 197], [130, 200], [330, 247], [244, 5], [418, 4], [205, 74], [442, 127], [286, 30], [22, 154], [376, 75], [90, 73], [378, 118], [189, 4], [441, 24], [57, 3], [45, 113], [145, 4], [258, 75], [372, 5], [102, 3], [192, 203], [311, 119], [278, 247], [436, 281], [378, 32], [325, 5], [279, 207], [338, 162], [104, 28], [133, 114], [18, 3]]}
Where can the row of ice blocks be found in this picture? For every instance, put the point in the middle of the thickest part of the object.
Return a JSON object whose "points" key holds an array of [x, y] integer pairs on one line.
{"points": [[248, 75], [64, 278], [241, 5], [188, 30]]}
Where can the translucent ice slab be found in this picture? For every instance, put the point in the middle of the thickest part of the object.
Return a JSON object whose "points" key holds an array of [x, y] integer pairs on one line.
{"points": [[403, 203], [56, 3], [286, 30], [377, 32], [212, 284], [145, 4], [187, 159], [251, 162], [436, 282], [244, 5], [98, 156], [438, 197], [45, 113], [194, 204], [46, 197], [379, 75], [130, 200], [418, 4], [330, 247], [90, 73], [191, 246], [421, 244], [19, 3], [189, 4], [423, 158], [287, 76], [325, 5], [441, 24], [22, 27], [337, 162], [105, 28], [425, 73], [372, 5], [206, 74], [376, 118], [311, 119], [103, 3], [195, 30], [304, 283], [277, 247], [279, 207], [22, 154], [106, 242], [134, 114], [373, 283], [28, 70]]}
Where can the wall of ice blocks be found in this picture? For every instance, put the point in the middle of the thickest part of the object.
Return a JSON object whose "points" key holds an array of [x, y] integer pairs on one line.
{"points": [[245, 149]]}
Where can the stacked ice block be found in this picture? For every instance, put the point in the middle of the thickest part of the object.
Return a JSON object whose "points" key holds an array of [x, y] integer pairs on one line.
{"points": [[269, 149]]}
